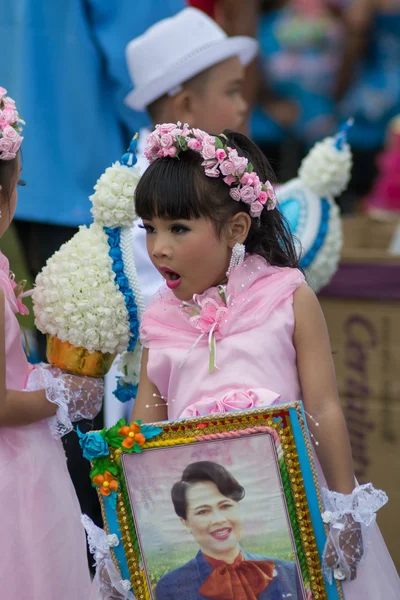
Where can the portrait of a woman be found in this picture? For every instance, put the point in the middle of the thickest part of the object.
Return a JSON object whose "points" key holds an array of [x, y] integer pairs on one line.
{"points": [[207, 500]]}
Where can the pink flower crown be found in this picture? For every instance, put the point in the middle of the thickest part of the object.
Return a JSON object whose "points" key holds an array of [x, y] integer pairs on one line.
{"points": [[219, 160], [10, 127]]}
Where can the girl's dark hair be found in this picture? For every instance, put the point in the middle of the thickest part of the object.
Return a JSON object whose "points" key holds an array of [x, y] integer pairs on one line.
{"points": [[179, 189], [7, 177], [204, 470]]}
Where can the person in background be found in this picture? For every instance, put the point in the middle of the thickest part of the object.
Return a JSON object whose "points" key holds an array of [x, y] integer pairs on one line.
{"points": [[368, 83], [299, 57], [67, 67], [40, 514], [198, 81], [236, 18]]}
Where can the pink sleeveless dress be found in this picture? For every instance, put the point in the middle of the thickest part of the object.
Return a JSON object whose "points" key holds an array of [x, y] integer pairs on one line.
{"points": [[43, 549], [249, 341]]}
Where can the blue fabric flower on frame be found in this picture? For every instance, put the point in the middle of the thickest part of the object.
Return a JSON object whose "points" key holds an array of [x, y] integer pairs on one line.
{"points": [[93, 444]]}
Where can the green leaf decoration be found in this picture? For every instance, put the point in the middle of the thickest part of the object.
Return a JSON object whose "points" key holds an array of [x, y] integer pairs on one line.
{"points": [[218, 144], [250, 168], [111, 435], [137, 447], [103, 464], [114, 440]]}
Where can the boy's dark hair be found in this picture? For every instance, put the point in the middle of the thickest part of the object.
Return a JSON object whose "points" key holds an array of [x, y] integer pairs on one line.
{"points": [[179, 189], [204, 471]]}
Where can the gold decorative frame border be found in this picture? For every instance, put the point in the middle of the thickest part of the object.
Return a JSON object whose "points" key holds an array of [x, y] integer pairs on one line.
{"points": [[186, 431]]}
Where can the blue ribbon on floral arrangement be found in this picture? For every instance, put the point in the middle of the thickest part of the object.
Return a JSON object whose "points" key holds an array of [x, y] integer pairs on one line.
{"points": [[308, 258], [114, 240]]}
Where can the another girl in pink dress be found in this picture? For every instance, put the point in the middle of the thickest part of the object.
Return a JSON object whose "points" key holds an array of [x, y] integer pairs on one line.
{"points": [[237, 327], [43, 543]]}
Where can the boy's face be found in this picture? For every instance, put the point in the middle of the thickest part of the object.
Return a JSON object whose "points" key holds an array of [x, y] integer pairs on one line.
{"points": [[219, 104]]}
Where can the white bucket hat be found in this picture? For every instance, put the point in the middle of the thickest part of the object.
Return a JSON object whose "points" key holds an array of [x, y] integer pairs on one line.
{"points": [[176, 49]]}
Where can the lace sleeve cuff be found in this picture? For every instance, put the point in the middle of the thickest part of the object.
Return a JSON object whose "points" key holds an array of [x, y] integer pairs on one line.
{"points": [[57, 393], [76, 397], [362, 504]]}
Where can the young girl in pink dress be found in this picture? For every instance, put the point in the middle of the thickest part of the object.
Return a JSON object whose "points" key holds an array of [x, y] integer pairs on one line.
{"points": [[237, 327], [43, 543]]}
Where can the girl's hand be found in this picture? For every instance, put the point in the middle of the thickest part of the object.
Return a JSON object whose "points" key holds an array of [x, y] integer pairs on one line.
{"points": [[344, 548]]}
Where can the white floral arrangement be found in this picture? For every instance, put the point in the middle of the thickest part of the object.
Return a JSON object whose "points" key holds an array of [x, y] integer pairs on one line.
{"points": [[112, 200], [88, 293], [326, 170], [324, 174], [75, 297]]}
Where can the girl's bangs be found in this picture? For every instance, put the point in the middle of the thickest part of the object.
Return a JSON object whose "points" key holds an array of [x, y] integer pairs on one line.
{"points": [[169, 188]]}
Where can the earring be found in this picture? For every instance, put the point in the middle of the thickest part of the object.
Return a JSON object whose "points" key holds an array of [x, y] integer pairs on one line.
{"points": [[237, 257]]}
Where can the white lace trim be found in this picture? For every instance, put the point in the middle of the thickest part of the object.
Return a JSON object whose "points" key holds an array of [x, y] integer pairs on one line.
{"points": [[108, 580], [361, 504], [350, 517], [57, 393], [76, 397]]}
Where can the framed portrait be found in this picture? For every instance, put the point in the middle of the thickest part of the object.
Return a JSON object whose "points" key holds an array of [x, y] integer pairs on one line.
{"points": [[220, 507]]}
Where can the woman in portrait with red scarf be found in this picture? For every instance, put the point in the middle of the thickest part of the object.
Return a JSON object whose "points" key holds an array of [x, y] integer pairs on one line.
{"points": [[207, 502]]}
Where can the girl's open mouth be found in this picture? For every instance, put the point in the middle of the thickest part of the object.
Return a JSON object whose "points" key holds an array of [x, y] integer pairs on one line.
{"points": [[172, 279]]}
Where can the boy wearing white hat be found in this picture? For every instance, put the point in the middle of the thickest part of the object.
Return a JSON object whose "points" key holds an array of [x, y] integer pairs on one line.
{"points": [[186, 69]]}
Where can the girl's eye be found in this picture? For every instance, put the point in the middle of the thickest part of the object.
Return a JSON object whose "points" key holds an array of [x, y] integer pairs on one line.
{"points": [[202, 512], [21, 182], [147, 228], [179, 229], [226, 506]]}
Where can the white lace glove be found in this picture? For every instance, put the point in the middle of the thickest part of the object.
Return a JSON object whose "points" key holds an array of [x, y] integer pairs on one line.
{"points": [[108, 582], [77, 397], [350, 517]]}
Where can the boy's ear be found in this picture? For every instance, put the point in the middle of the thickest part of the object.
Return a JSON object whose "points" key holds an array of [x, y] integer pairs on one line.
{"points": [[238, 229], [184, 107]]}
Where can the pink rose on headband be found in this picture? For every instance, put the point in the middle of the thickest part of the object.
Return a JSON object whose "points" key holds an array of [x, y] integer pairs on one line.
{"points": [[166, 140], [240, 165], [5, 145], [257, 187], [194, 144], [16, 145], [227, 167], [263, 197], [208, 151], [211, 167], [220, 154], [10, 115], [171, 151], [3, 92], [270, 190], [247, 194], [10, 134], [230, 179], [166, 128], [152, 143], [199, 134], [7, 155], [235, 194], [256, 209], [9, 102]]}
